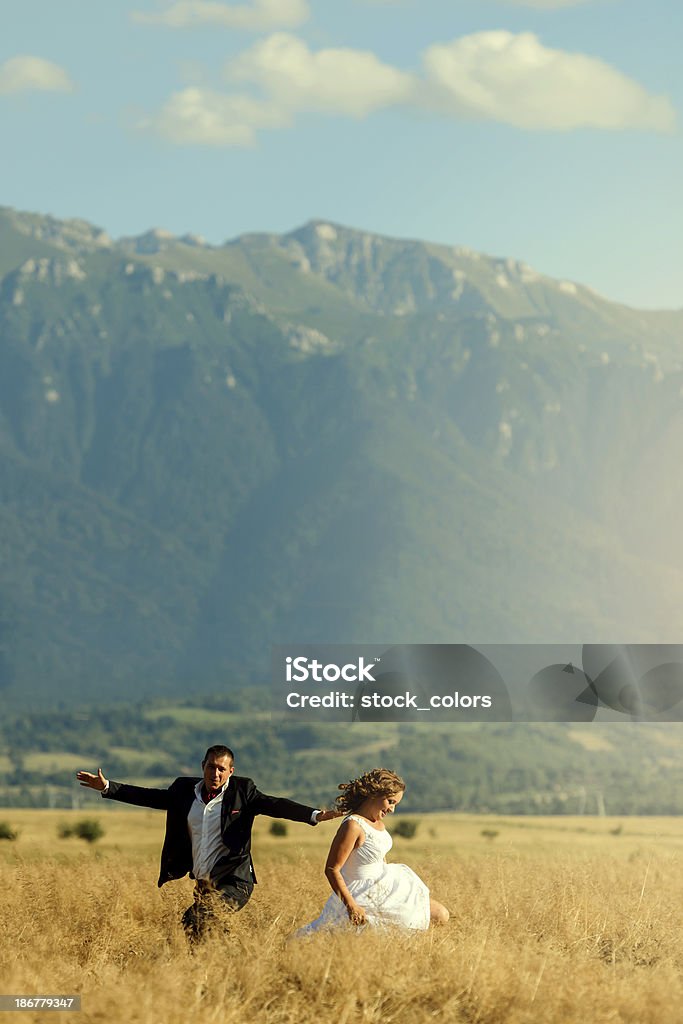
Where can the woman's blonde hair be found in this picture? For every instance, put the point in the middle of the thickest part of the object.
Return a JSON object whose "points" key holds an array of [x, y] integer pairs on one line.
{"points": [[378, 782]]}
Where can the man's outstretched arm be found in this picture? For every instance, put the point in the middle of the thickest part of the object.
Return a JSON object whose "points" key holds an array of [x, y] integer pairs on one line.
{"points": [[140, 796], [280, 807]]}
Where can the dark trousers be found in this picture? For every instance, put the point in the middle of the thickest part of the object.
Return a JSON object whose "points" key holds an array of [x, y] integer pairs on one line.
{"points": [[211, 903]]}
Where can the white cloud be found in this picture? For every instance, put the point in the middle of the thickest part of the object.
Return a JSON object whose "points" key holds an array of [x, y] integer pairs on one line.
{"points": [[495, 76], [25, 73], [343, 81], [257, 16], [515, 79], [202, 117]]}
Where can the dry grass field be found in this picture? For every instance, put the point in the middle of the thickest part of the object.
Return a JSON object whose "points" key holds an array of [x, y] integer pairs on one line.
{"points": [[553, 920]]}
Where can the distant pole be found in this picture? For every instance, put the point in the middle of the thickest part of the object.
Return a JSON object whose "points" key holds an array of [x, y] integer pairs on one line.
{"points": [[601, 803], [582, 800]]}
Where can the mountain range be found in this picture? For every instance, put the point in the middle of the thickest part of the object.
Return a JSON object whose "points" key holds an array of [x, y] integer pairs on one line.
{"points": [[322, 436]]}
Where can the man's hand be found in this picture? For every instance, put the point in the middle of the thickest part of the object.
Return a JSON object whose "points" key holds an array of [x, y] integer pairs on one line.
{"points": [[327, 816], [92, 781]]}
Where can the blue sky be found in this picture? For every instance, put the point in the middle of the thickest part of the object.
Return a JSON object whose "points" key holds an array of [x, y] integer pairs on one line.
{"points": [[544, 130]]}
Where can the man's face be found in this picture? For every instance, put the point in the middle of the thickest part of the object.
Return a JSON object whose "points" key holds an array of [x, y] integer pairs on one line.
{"points": [[217, 770]]}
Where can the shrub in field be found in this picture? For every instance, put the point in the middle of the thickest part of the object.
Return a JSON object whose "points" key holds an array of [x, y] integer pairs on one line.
{"points": [[489, 833], [7, 832], [89, 829], [278, 828], [406, 828]]}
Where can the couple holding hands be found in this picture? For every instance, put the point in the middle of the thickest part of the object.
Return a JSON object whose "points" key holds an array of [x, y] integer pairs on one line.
{"points": [[208, 834]]}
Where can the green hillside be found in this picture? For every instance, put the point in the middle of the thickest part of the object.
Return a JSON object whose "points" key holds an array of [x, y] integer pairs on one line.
{"points": [[544, 768]]}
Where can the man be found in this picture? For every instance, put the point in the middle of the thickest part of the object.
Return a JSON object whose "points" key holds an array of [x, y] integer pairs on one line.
{"points": [[208, 830]]}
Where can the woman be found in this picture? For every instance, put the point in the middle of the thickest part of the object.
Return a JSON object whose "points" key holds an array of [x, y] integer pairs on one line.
{"points": [[367, 890]]}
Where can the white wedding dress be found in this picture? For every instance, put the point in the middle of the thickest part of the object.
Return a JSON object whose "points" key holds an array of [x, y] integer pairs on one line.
{"points": [[390, 894]]}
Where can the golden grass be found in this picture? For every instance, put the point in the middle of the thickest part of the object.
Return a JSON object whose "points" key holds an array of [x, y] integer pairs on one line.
{"points": [[554, 921]]}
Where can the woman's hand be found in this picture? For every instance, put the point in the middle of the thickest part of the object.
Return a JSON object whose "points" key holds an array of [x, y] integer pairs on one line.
{"points": [[356, 916]]}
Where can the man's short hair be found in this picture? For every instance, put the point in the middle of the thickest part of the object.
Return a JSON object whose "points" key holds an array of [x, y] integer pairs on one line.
{"points": [[218, 750]]}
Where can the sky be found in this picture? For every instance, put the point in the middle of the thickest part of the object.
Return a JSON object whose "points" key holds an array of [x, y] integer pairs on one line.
{"points": [[543, 130]]}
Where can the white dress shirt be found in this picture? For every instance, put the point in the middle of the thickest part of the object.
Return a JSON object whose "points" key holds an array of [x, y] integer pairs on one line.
{"points": [[204, 825]]}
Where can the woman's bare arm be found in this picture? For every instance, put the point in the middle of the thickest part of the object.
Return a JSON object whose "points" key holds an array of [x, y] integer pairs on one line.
{"points": [[349, 836]]}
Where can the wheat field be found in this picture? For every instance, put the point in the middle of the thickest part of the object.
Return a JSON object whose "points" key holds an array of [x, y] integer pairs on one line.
{"points": [[552, 920]]}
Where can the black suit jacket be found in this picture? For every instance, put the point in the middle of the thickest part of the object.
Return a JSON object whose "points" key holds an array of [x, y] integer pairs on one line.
{"points": [[242, 801]]}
